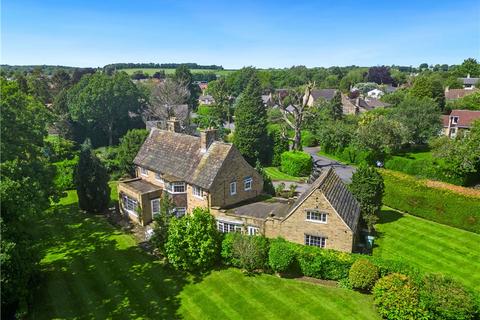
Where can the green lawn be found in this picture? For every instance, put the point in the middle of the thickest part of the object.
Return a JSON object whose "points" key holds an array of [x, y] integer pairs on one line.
{"points": [[92, 270], [430, 246], [275, 174], [151, 71]]}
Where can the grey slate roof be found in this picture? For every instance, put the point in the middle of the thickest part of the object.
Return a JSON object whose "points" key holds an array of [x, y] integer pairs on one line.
{"points": [[469, 81], [141, 185], [326, 94], [337, 193], [180, 155]]}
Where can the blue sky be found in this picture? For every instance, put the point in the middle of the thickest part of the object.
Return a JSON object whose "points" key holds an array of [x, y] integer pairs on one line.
{"points": [[239, 33]]}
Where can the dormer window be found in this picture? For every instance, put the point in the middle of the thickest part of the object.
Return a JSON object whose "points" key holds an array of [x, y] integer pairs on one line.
{"points": [[454, 120], [197, 192], [143, 171], [176, 187], [159, 178]]}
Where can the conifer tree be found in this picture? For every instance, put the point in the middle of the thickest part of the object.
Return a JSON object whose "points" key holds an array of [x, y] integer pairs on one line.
{"points": [[251, 136], [336, 108], [91, 180]]}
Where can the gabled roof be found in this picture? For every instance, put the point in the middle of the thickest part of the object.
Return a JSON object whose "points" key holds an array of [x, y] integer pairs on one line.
{"points": [[326, 94], [465, 117], [337, 193], [180, 155]]}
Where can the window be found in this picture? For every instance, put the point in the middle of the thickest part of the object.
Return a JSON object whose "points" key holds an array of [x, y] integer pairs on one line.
{"points": [[454, 120], [180, 211], [130, 204], [316, 216], [158, 177], [233, 188], [176, 187], [252, 230], [247, 183], [315, 241], [155, 206], [226, 227], [197, 192], [143, 171]]}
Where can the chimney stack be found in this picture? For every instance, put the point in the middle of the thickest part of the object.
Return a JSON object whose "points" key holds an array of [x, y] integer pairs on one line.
{"points": [[207, 137], [173, 125]]}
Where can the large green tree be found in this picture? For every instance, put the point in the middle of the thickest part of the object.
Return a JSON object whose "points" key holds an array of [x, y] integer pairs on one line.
{"points": [[91, 181], [105, 105], [251, 136], [128, 149], [429, 86], [26, 186], [184, 76], [367, 186], [421, 117]]}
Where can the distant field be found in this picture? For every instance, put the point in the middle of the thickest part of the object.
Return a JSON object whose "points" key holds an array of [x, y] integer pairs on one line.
{"points": [[151, 71], [430, 246]]}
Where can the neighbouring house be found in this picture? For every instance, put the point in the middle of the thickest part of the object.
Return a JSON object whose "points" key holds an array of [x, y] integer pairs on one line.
{"points": [[326, 94], [203, 172], [326, 215], [267, 100], [458, 120], [454, 94], [206, 99], [360, 105], [203, 85], [469, 83], [375, 93], [194, 171]]}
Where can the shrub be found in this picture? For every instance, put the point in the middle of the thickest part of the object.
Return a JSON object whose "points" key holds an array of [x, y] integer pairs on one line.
{"points": [[396, 297], [279, 144], [363, 275], [250, 252], [228, 257], [296, 163], [128, 148], [444, 298], [64, 177], [193, 241], [281, 255], [387, 266], [308, 139], [109, 158], [324, 264], [59, 149]]}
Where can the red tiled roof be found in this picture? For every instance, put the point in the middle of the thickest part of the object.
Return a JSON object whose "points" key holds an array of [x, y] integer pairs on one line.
{"points": [[453, 94], [465, 117]]}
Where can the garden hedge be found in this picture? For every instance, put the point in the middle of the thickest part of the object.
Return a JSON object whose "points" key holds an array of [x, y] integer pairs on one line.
{"points": [[64, 177], [281, 255], [363, 274], [296, 163], [244, 251]]}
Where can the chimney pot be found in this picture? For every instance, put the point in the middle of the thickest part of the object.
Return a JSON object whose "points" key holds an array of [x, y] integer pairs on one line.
{"points": [[173, 125], [207, 137]]}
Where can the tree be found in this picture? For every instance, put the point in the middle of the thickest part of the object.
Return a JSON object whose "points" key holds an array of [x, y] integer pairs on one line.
{"points": [[294, 106], [427, 86], [26, 187], [251, 137], [367, 186], [184, 76], [60, 81], [104, 105], [379, 75], [165, 96], [470, 67], [193, 241], [469, 102], [223, 101], [268, 187], [421, 117], [162, 223], [336, 106], [128, 149], [279, 144], [91, 181]]}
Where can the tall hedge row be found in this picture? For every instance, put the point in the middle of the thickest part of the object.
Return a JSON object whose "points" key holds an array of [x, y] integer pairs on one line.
{"points": [[296, 163]]}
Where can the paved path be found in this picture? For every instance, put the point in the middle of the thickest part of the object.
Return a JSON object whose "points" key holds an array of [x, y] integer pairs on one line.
{"points": [[344, 172]]}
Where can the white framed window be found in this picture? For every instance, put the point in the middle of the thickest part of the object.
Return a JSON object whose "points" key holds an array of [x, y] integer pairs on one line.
{"points": [[155, 206], [247, 183], [316, 216], [158, 177], [180, 211], [226, 227], [176, 187], [143, 171], [315, 241], [454, 120], [130, 204], [233, 188], [197, 192], [252, 231]]}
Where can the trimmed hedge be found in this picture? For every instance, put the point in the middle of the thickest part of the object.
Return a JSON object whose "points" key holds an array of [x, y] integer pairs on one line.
{"points": [[246, 252], [64, 177], [363, 274], [396, 297], [281, 255], [323, 263], [296, 163], [408, 194]]}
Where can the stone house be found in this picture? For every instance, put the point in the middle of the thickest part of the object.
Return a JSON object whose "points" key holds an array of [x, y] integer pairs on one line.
{"points": [[194, 171], [469, 83], [459, 120], [325, 215], [203, 172]]}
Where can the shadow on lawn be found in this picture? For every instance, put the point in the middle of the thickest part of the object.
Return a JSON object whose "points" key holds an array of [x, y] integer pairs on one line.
{"points": [[92, 270], [386, 216]]}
